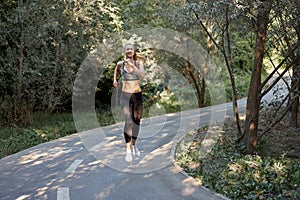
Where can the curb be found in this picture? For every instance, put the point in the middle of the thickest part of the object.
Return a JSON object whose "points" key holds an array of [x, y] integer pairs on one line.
{"points": [[172, 155]]}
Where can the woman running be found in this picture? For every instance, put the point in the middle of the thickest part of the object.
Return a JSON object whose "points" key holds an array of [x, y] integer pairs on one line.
{"points": [[132, 71]]}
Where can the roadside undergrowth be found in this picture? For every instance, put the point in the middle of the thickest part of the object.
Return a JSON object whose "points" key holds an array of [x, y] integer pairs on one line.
{"points": [[272, 173]]}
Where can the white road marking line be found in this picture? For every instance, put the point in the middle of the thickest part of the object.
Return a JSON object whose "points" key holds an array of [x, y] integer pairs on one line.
{"points": [[63, 193], [98, 146], [73, 166]]}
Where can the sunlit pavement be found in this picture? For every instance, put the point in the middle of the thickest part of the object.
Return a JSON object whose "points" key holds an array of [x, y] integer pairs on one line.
{"points": [[91, 165]]}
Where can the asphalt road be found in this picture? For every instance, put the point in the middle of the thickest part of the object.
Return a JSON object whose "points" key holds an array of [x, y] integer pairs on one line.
{"points": [[91, 165]]}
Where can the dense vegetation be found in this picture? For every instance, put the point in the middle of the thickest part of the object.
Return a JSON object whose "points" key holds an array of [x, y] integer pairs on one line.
{"points": [[44, 43], [271, 173]]}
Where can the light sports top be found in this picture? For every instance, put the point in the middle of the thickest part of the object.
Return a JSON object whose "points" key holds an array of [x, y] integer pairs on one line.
{"points": [[132, 76]]}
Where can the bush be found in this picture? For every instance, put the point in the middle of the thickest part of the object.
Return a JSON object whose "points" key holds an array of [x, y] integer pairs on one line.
{"points": [[15, 112], [43, 129]]}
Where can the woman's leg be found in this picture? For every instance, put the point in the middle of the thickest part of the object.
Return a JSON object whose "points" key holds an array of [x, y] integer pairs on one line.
{"points": [[137, 105], [126, 108], [131, 105], [137, 108]]}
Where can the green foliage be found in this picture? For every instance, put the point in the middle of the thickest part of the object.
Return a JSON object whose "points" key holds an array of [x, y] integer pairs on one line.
{"points": [[242, 51], [14, 140], [45, 128], [104, 114], [165, 101], [242, 80], [252, 177], [43, 44], [238, 176], [143, 13], [56, 38], [13, 111]]}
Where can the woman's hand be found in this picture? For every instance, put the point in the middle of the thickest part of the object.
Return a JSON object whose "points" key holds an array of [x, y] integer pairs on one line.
{"points": [[129, 63], [115, 84]]}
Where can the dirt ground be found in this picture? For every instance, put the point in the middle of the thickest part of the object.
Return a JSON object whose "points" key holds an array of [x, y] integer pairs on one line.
{"points": [[281, 140]]}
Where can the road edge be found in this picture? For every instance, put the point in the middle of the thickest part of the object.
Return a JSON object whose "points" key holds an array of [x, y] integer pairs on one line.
{"points": [[180, 169]]}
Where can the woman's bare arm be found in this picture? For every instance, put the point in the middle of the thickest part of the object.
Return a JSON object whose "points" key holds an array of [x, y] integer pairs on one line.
{"points": [[116, 73]]}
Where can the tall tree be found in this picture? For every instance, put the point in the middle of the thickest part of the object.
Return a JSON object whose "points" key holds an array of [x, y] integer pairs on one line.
{"points": [[283, 48], [43, 45], [250, 137], [196, 76], [219, 14]]}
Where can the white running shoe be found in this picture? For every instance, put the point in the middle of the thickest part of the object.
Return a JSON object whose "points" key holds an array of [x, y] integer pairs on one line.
{"points": [[135, 151], [128, 156]]}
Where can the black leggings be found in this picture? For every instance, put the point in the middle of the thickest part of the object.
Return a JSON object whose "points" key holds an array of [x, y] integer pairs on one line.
{"points": [[131, 104]]}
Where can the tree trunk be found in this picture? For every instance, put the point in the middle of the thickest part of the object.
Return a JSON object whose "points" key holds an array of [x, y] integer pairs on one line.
{"points": [[194, 80], [52, 103], [295, 94], [227, 51], [200, 92], [21, 52], [202, 76], [250, 138], [296, 79], [228, 64]]}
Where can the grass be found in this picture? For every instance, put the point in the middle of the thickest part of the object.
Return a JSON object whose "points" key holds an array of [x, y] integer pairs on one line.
{"points": [[45, 128], [272, 173]]}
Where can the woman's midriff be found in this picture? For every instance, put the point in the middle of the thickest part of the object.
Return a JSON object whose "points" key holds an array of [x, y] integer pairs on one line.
{"points": [[131, 86]]}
